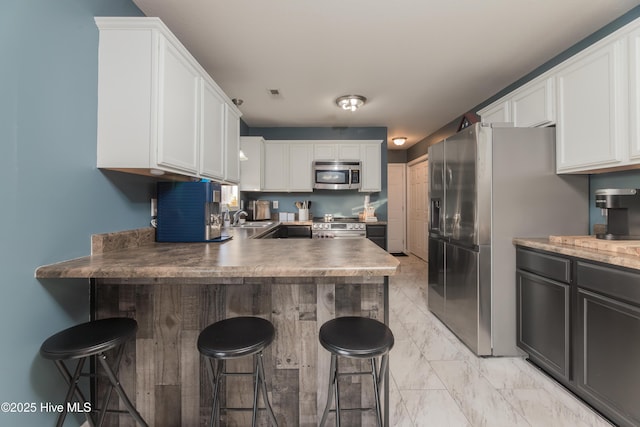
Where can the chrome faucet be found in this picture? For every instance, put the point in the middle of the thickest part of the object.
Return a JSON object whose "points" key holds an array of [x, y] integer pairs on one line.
{"points": [[236, 216]]}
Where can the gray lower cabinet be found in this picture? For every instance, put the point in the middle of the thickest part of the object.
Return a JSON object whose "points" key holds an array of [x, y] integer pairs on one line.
{"points": [[543, 322], [608, 340], [580, 321], [378, 235]]}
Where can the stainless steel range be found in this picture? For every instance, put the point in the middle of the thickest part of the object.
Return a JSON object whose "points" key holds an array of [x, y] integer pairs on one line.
{"points": [[338, 228]]}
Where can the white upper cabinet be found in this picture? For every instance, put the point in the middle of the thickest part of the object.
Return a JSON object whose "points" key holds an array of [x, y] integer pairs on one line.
{"points": [[276, 166], [370, 156], [287, 166], [591, 109], [534, 104], [498, 112], [158, 110], [347, 151], [634, 96], [251, 169], [232, 144], [179, 83], [596, 95], [212, 133], [325, 151], [528, 106], [300, 166], [333, 150]]}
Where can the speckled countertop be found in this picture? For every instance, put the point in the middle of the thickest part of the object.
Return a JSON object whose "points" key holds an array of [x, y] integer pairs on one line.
{"points": [[242, 256], [577, 246]]}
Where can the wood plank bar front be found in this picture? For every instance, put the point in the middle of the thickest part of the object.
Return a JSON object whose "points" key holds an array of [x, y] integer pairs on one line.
{"points": [[164, 371]]}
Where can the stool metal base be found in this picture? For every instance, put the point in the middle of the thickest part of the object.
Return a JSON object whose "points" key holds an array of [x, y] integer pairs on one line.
{"points": [[216, 372], [334, 389], [114, 383]]}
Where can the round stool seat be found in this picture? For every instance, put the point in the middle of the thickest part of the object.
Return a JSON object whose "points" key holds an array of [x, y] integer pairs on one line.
{"points": [[88, 339], [356, 337], [236, 337]]}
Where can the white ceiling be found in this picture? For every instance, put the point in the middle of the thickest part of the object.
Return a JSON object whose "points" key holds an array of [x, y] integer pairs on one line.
{"points": [[420, 63]]}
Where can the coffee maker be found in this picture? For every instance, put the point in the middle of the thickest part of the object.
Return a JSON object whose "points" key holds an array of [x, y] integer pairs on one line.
{"points": [[621, 206], [189, 212]]}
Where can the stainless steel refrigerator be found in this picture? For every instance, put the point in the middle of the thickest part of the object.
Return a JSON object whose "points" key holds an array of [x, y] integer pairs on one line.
{"points": [[488, 185]]}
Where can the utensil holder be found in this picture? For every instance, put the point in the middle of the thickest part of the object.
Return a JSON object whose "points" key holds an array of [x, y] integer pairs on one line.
{"points": [[303, 214]]}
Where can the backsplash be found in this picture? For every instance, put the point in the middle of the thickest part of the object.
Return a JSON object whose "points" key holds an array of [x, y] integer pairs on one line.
{"points": [[338, 203], [626, 179]]}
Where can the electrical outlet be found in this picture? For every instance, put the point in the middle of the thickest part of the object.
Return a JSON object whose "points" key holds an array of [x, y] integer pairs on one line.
{"points": [[275, 204]]}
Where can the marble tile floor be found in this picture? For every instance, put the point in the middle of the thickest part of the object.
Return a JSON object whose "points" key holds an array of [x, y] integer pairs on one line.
{"points": [[437, 381]]}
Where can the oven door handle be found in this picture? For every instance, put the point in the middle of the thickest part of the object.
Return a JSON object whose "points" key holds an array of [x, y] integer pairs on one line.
{"points": [[349, 236]]}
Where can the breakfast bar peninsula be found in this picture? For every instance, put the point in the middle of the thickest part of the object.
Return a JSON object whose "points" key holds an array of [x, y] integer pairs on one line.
{"points": [[175, 290]]}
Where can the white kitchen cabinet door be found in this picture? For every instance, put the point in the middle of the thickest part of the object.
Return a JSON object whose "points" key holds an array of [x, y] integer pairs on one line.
{"points": [[348, 151], [325, 151], [276, 166], [370, 157], [300, 166], [634, 97], [339, 150], [178, 110], [534, 104], [157, 107], [251, 169], [496, 113], [232, 144], [212, 133], [591, 110]]}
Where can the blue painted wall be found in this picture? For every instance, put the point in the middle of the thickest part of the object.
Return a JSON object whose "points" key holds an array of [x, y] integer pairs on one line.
{"points": [[342, 203], [52, 197]]}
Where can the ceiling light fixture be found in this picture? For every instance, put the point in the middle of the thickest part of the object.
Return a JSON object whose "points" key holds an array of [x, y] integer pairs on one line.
{"points": [[399, 140], [351, 102], [237, 102], [243, 157]]}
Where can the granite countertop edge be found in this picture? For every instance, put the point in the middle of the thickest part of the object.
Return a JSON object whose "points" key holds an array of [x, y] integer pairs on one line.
{"points": [[606, 257], [242, 256]]}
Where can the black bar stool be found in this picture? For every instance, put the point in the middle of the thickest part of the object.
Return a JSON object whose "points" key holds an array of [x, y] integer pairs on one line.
{"points": [[83, 342], [231, 339], [359, 338]]}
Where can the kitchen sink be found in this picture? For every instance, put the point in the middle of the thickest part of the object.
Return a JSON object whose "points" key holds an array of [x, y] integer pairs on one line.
{"points": [[255, 224]]}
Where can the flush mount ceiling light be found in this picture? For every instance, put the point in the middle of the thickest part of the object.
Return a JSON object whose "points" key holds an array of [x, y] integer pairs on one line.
{"points": [[237, 102], [351, 102], [399, 140]]}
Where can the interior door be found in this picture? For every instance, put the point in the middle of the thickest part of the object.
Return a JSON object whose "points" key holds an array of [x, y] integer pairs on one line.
{"points": [[418, 209], [396, 213]]}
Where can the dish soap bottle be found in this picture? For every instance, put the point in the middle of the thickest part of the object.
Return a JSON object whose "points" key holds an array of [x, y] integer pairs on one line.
{"points": [[226, 219]]}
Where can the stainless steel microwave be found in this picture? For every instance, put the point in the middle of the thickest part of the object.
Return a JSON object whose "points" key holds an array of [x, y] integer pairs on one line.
{"points": [[337, 174]]}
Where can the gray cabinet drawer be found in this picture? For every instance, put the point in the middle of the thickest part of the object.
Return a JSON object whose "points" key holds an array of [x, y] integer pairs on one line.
{"points": [[550, 266], [376, 230], [614, 282]]}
